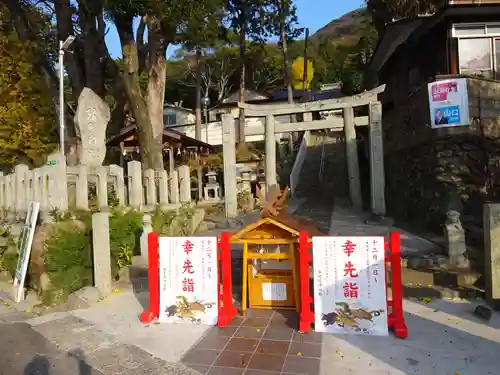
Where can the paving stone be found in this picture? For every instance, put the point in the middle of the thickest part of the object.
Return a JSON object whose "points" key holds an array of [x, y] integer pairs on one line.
{"points": [[62, 327], [118, 359]]}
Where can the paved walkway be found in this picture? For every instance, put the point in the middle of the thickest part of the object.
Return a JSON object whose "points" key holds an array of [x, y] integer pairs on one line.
{"points": [[444, 338]]}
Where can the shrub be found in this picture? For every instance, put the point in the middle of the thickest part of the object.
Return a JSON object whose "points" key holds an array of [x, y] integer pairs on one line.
{"points": [[68, 259]]}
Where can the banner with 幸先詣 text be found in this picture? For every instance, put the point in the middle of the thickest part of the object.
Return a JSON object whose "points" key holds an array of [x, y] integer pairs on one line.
{"points": [[350, 285], [188, 280]]}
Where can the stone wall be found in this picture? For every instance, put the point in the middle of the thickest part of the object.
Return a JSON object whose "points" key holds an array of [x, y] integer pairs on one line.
{"points": [[429, 171], [58, 186]]}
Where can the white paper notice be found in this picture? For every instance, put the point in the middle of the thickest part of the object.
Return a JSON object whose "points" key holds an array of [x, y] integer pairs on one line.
{"points": [[274, 292]]}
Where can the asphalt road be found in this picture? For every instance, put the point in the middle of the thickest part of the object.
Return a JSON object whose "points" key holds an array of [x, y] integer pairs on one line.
{"points": [[25, 351]]}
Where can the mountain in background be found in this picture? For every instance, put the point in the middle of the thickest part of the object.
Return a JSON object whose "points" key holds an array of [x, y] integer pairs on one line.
{"points": [[346, 29]]}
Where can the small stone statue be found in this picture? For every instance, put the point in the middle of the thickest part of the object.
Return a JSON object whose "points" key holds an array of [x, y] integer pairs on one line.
{"points": [[454, 235]]}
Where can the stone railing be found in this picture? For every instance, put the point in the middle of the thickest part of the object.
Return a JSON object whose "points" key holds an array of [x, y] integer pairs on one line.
{"points": [[299, 161], [57, 186]]}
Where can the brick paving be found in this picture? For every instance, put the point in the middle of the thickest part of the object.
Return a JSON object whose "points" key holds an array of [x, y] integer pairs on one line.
{"points": [[266, 342]]}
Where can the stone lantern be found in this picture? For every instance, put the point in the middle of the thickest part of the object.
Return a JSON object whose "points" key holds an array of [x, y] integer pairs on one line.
{"points": [[212, 190]]}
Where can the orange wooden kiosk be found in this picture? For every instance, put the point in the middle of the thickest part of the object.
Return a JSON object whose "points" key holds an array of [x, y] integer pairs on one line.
{"points": [[270, 262]]}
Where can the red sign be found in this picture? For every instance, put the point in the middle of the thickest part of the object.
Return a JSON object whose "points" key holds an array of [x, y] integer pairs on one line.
{"points": [[440, 90]]}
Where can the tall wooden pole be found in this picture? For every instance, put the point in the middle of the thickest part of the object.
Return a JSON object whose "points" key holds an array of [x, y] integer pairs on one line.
{"points": [[304, 77]]}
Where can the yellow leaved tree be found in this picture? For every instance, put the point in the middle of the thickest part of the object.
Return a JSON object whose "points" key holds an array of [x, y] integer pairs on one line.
{"points": [[298, 74], [26, 117]]}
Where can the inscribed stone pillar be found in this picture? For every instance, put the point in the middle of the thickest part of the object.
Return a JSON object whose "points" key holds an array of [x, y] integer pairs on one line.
{"points": [[101, 253], [352, 159], [91, 120], [184, 184], [149, 177], [270, 156], [135, 192], [162, 186], [57, 189], [102, 188], [21, 206], [82, 188], [229, 152], [491, 224], [377, 173], [119, 182], [174, 187]]}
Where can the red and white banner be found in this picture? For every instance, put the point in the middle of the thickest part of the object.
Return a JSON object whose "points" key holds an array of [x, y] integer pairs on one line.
{"points": [[350, 285], [188, 271]]}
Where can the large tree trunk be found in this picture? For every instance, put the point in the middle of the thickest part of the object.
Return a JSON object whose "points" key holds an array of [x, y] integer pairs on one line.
{"points": [[149, 142], [197, 128], [243, 29], [89, 21], [156, 92], [155, 100]]}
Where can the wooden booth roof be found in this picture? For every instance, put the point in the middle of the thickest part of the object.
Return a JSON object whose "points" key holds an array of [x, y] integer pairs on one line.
{"points": [[129, 134], [281, 226]]}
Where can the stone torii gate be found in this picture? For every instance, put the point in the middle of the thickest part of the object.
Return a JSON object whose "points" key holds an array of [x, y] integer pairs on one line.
{"points": [[347, 124]]}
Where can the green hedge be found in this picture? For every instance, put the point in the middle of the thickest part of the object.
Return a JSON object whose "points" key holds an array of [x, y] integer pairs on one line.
{"points": [[68, 255]]}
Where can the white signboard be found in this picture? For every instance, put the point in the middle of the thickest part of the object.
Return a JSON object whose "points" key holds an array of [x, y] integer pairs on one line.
{"points": [[349, 285], [25, 242], [188, 280], [448, 103], [274, 292]]}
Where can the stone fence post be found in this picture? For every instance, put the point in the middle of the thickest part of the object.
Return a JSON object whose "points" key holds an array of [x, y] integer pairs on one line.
{"points": [[174, 187], [491, 225], [135, 190], [229, 151], [147, 227], [162, 186], [150, 183], [184, 184], [57, 182], [101, 253], [21, 206]]}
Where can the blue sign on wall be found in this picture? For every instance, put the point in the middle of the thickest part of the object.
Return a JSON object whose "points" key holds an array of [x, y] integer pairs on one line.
{"points": [[447, 115]]}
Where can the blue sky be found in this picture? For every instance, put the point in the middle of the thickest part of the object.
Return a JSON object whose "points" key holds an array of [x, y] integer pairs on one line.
{"points": [[313, 14]]}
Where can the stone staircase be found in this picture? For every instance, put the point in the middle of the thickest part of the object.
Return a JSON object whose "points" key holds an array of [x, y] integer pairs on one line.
{"points": [[323, 178]]}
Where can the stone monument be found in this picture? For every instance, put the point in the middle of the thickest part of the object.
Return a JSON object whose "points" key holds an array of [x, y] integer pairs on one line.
{"points": [[454, 235], [91, 120]]}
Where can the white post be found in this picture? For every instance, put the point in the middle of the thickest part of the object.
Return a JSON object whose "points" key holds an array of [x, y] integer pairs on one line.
{"points": [[352, 159], [229, 151], [377, 173], [62, 126], [270, 145]]}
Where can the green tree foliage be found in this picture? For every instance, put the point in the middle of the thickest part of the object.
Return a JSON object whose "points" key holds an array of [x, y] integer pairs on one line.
{"points": [[26, 116], [221, 74]]}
